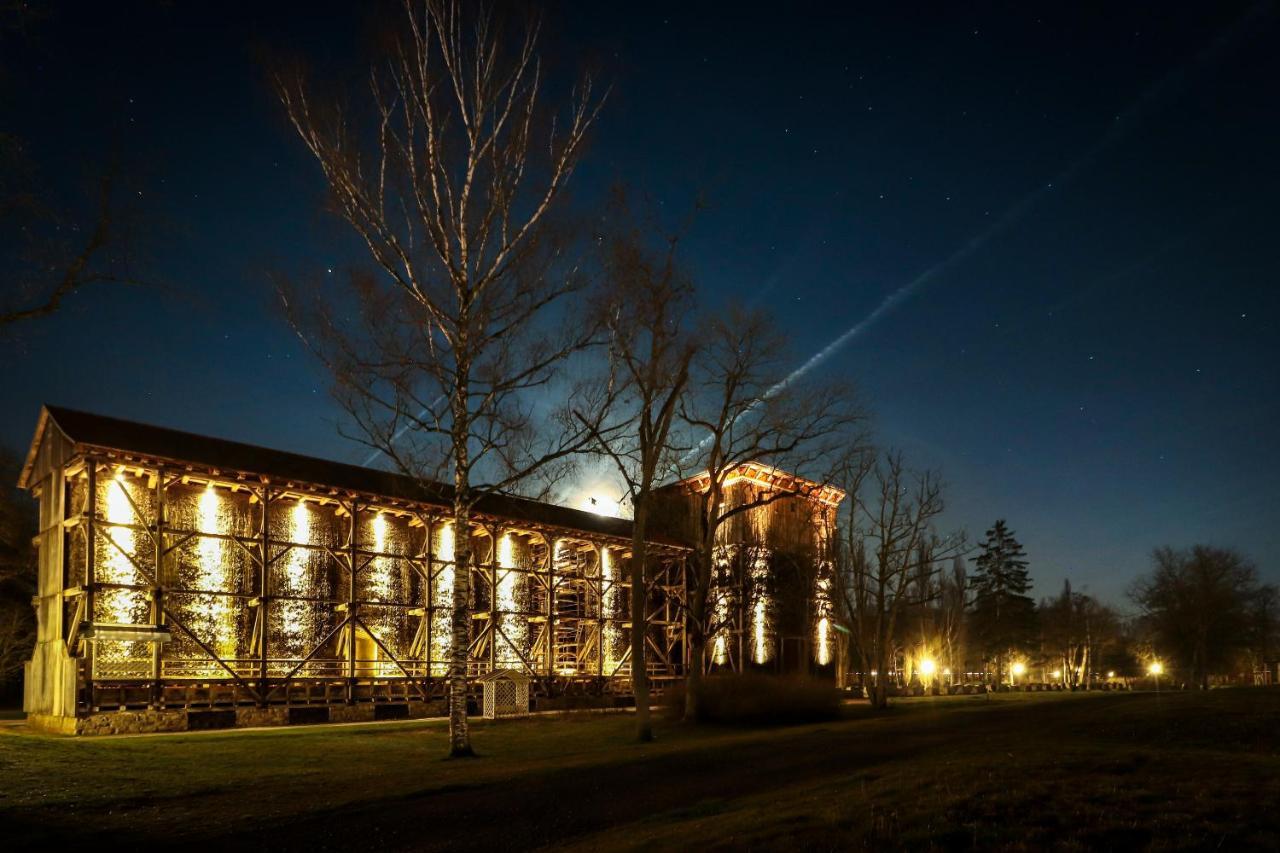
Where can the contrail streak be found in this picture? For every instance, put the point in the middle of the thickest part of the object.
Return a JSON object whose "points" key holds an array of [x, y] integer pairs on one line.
{"points": [[1125, 123], [373, 457]]}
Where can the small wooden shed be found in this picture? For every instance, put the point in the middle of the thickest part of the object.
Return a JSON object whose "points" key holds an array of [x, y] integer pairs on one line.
{"points": [[506, 693]]}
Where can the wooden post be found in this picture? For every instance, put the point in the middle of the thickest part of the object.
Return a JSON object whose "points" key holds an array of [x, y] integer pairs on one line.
{"points": [[90, 571], [684, 622], [601, 558], [551, 608], [493, 598], [264, 593], [743, 610], [431, 584], [351, 602], [157, 592]]}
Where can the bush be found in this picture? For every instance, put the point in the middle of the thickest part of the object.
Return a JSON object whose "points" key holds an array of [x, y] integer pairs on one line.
{"points": [[761, 700]]}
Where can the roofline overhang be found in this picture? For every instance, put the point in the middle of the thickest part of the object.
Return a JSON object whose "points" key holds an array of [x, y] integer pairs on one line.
{"points": [[768, 476], [109, 454]]}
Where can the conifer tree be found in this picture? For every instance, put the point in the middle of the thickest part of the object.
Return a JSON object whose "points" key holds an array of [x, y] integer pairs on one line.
{"points": [[1003, 618]]}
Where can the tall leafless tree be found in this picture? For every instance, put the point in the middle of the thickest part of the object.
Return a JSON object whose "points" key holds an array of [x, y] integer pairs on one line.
{"points": [[953, 589], [741, 408], [1196, 606], [648, 310], [887, 527], [49, 254], [52, 249], [453, 190]]}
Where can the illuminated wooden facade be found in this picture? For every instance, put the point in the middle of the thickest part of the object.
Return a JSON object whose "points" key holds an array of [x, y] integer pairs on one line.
{"points": [[769, 603], [187, 581]]}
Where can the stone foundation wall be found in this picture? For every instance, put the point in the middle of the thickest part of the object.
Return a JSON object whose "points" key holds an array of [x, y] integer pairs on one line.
{"points": [[253, 717], [131, 722], [181, 720]]}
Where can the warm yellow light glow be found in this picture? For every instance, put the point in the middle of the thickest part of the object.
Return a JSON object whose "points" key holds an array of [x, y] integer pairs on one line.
{"points": [[1155, 668], [760, 612], [1018, 668], [381, 588], [609, 605], [514, 625], [720, 609], [442, 600], [824, 622], [759, 625], [599, 502], [121, 606], [1111, 673], [947, 672], [928, 668], [1057, 673], [215, 617], [293, 613]]}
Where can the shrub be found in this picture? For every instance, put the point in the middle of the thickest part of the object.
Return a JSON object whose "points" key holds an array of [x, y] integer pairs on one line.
{"points": [[761, 700]]}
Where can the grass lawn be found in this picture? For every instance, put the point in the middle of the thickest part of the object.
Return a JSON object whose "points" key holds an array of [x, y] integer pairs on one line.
{"points": [[1021, 771]]}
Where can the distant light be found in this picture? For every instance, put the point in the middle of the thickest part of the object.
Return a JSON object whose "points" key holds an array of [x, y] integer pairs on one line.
{"points": [[600, 505], [1156, 668], [928, 667], [1018, 668], [1111, 673], [947, 671], [1057, 673]]}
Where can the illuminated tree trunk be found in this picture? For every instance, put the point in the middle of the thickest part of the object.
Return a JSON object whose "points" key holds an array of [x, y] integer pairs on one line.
{"points": [[460, 623]]}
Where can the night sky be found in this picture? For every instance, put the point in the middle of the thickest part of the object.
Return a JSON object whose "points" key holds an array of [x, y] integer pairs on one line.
{"points": [[1072, 217]]}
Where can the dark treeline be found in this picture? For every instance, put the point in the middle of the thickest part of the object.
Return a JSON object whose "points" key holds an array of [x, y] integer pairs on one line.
{"points": [[1199, 617]]}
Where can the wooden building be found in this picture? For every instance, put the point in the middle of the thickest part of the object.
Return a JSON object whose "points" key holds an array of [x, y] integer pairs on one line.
{"points": [[187, 581], [770, 597]]}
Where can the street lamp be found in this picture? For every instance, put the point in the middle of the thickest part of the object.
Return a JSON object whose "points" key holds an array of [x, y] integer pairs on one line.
{"points": [[1017, 669], [1155, 669]]}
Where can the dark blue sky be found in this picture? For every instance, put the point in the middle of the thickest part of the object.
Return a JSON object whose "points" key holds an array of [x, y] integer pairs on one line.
{"points": [[1097, 362]]}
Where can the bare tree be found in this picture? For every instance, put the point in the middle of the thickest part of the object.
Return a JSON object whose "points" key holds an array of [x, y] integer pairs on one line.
{"points": [[952, 604], [452, 189], [741, 408], [888, 545], [50, 251], [1196, 604], [1075, 629], [649, 313]]}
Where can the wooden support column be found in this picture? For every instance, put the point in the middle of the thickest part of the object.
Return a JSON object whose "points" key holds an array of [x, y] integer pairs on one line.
{"points": [[264, 595], [601, 557], [493, 597], [429, 526], [351, 602], [683, 611], [157, 591], [743, 612], [90, 572], [551, 608]]}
